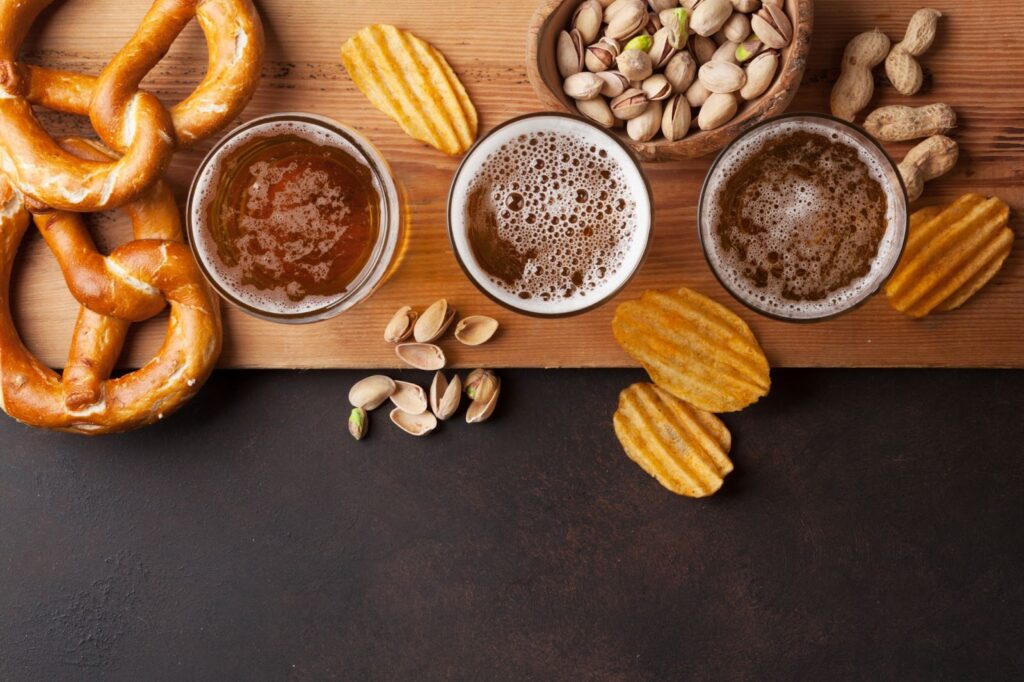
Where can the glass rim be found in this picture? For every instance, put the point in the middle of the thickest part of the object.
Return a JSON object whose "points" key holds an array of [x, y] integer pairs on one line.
{"points": [[387, 233], [903, 228], [637, 165]]}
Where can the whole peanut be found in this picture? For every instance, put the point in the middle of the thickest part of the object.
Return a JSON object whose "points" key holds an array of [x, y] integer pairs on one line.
{"points": [[934, 157], [901, 66], [855, 85], [895, 123]]}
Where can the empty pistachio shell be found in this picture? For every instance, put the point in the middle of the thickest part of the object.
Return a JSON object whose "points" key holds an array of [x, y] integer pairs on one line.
{"points": [[421, 355], [719, 76], [760, 73], [370, 392], [583, 85], [718, 109], [358, 423], [772, 26], [409, 397], [483, 405], [433, 322], [475, 329], [569, 53], [444, 396], [414, 424], [644, 127], [597, 110], [675, 122], [400, 326]]}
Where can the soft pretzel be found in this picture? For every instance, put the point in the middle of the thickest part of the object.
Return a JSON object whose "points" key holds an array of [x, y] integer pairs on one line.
{"points": [[129, 120], [131, 283]]}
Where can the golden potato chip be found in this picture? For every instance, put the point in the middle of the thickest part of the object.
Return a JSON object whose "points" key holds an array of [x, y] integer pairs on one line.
{"points": [[950, 254], [693, 348], [685, 448], [410, 81]]}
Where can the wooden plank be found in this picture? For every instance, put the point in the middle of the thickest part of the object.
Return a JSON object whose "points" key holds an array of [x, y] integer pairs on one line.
{"points": [[967, 68]]}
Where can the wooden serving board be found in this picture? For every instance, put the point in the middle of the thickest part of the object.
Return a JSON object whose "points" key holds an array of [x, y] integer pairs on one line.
{"points": [[972, 66]]}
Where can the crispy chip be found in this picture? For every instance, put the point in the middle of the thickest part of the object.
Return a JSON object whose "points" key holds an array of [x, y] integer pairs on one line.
{"points": [[694, 348], [685, 448], [410, 81], [950, 254]]}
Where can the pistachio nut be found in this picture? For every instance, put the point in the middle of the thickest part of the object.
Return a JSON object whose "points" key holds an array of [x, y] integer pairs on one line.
{"points": [[689, 4], [661, 50], [480, 384], [414, 424], [709, 16], [601, 55], [370, 392], [719, 76], [569, 53], [476, 329], [627, 22], [645, 126], [702, 48], [642, 42], [746, 6], [483, 404], [680, 71], [597, 110], [613, 8], [629, 104], [358, 423], [675, 122], [760, 74], [726, 52], [748, 49], [423, 355], [717, 110], [635, 64], [444, 396], [400, 326], [772, 26], [583, 85], [736, 27], [660, 5], [409, 398], [587, 19], [614, 83], [696, 94], [656, 87], [434, 321], [677, 21]]}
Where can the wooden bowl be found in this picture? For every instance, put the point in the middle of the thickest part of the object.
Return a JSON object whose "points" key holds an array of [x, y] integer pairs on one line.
{"points": [[552, 16]]}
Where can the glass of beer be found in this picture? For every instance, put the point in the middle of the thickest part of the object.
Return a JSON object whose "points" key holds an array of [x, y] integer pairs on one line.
{"points": [[549, 215], [294, 217], [803, 217]]}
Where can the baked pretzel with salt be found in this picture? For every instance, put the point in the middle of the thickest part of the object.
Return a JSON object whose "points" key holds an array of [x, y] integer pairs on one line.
{"points": [[129, 120], [131, 284]]}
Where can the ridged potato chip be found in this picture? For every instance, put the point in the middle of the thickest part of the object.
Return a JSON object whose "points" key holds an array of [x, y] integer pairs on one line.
{"points": [[950, 254], [694, 348], [684, 448], [410, 81]]}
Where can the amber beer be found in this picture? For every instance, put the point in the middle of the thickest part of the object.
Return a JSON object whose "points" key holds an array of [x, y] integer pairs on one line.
{"points": [[803, 217], [549, 215]]}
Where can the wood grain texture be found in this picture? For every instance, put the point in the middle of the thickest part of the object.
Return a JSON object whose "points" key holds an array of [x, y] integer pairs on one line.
{"points": [[965, 68]]}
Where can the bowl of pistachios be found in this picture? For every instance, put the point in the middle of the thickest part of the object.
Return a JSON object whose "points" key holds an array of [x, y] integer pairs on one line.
{"points": [[677, 78]]}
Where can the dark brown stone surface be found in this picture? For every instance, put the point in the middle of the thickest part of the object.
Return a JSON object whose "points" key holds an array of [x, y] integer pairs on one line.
{"points": [[872, 530]]}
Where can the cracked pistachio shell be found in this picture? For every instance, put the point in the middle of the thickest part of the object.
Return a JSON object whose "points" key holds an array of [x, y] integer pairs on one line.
{"points": [[414, 424], [400, 326], [717, 110], [480, 384], [597, 110], [444, 396], [569, 53], [661, 51], [409, 397], [656, 87], [476, 329], [434, 321], [644, 127], [772, 26], [680, 71], [629, 104], [370, 392], [587, 19], [421, 355], [583, 85], [614, 83], [675, 122], [483, 405], [601, 55]]}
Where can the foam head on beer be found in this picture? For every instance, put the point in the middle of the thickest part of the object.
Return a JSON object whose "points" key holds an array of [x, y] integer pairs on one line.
{"points": [[550, 215], [803, 218]]}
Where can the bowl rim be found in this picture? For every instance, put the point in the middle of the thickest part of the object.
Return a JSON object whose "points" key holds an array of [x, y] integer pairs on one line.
{"points": [[700, 143], [638, 265], [904, 231]]}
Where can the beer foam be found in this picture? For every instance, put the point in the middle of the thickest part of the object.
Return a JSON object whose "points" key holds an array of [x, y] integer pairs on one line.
{"points": [[228, 277], [568, 201], [786, 207]]}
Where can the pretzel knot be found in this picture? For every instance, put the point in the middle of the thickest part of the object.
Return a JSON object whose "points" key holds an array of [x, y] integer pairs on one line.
{"points": [[130, 121], [133, 283]]}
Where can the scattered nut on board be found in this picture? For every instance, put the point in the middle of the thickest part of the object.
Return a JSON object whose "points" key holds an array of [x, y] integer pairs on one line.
{"points": [[928, 160], [896, 123], [855, 84], [901, 66]]}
